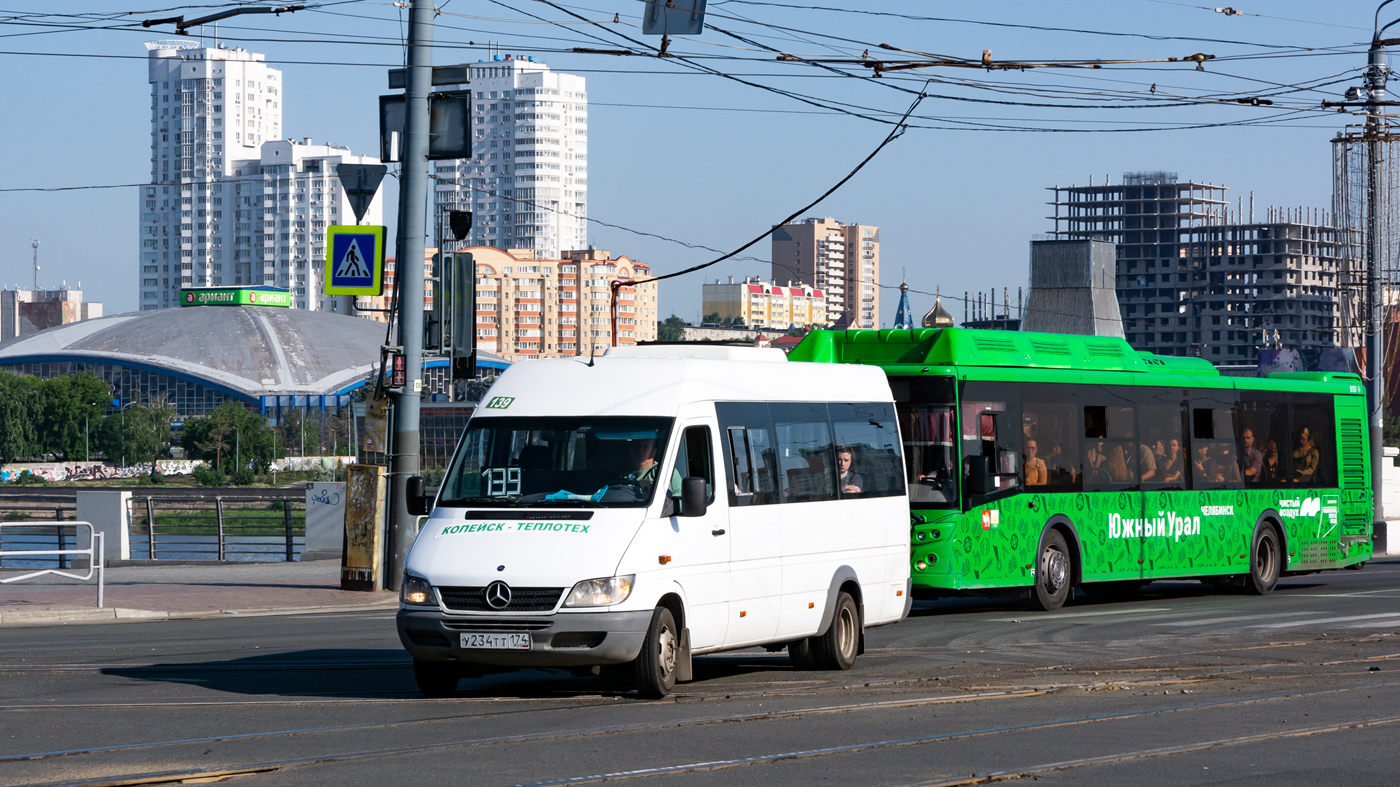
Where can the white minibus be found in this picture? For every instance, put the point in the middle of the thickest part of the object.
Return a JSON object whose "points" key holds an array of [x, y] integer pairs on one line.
{"points": [[657, 503]]}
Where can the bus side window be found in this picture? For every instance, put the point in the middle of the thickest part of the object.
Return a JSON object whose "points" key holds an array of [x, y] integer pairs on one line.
{"points": [[991, 428], [1265, 449], [1313, 445], [1111, 451], [1214, 462]]}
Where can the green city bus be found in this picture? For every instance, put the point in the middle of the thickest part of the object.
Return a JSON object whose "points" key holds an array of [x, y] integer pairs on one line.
{"points": [[1041, 462]]}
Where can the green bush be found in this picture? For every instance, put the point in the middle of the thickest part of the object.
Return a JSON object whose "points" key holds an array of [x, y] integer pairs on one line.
{"points": [[243, 477], [157, 478], [204, 475]]}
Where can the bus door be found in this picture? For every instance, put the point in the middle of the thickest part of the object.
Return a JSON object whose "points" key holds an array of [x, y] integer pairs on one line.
{"points": [[1164, 466], [996, 542], [1112, 477]]}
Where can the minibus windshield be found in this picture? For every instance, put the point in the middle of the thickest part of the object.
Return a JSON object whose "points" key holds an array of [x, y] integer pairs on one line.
{"points": [[578, 461]]}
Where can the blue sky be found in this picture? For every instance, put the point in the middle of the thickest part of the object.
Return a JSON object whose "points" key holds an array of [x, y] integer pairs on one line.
{"points": [[706, 159]]}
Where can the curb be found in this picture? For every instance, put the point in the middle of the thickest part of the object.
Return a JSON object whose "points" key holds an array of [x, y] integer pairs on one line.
{"points": [[119, 615]]}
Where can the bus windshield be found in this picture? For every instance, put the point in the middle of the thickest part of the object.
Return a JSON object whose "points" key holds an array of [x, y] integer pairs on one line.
{"points": [[588, 461], [929, 452]]}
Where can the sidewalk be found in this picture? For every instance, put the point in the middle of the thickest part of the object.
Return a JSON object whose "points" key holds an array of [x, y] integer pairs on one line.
{"points": [[184, 591]]}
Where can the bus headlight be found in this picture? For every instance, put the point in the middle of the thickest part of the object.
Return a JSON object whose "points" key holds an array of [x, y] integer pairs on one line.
{"points": [[600, 592], [416, 590]]}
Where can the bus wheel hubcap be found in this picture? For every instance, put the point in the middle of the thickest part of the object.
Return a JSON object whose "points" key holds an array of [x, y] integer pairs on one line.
{"points": [[1056, 569]]}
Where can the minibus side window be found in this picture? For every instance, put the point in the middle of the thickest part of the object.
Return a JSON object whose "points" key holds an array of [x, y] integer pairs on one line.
{"points": [[806, 462], [695, 459], [749, 452], [868, 432]]}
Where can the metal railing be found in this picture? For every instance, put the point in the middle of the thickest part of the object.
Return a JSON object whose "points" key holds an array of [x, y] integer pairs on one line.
{"points": [[218, 528], [36, 509], [28, 535]]}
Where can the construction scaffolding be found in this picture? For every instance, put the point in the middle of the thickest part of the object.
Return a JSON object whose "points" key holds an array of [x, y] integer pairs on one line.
{"points": [[1350, 160]]}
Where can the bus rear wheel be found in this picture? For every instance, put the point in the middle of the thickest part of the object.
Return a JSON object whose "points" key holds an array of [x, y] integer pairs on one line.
{"points": [[1054, 573], [1264, 561]]}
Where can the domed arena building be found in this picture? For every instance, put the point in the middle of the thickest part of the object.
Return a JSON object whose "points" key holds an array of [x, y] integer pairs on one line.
{"points": [[267, 358]]}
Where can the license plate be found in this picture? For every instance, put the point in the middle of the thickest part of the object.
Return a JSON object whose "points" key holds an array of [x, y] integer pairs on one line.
{"points": [[486, 640]]}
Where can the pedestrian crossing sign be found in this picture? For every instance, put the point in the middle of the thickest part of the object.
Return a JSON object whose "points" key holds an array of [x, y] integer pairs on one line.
{"points": [[354, 260]]}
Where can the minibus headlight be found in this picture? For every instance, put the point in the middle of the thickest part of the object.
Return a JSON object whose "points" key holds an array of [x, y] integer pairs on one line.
{"points": [[416, 590], [600, 592]]}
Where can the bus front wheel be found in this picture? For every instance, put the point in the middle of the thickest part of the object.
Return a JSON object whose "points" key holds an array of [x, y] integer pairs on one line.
{"points": [[1054, 573], [1264, 561]]}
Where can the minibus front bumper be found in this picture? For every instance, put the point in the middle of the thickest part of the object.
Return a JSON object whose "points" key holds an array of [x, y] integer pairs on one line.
{"points": [[564, 639]]}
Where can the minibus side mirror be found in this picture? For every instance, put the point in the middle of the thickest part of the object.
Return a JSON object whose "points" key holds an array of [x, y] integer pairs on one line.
{"points": [[975, 474], [416, 492], [693, 496]]}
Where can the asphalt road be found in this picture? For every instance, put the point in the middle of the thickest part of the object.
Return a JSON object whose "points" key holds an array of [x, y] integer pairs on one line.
{"points": [[1179, 687]]}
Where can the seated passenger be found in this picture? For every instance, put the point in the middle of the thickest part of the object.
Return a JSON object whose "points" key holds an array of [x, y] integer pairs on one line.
{"points": [[1147, 462], [850, 483], [1173, 473], [1253, 460], [1118, 466], [1305, 458], [1036, 474]]}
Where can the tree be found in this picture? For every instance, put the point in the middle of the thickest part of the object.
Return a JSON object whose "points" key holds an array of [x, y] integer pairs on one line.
{"points": [[245, 433], [216, 441], [21, 407], [71, 405], [712, 317], [140, 432], [672, 329]]}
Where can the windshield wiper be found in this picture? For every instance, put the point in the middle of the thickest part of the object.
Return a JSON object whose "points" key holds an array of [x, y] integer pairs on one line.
{"points": [[494, 501]]}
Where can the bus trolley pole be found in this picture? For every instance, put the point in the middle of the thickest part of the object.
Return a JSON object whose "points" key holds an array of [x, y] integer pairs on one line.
{"points": [[413, 210], [1375, 325]]}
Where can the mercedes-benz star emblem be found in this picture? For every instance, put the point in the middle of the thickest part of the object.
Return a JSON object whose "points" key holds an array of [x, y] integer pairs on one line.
{"points": [[498, 595]]}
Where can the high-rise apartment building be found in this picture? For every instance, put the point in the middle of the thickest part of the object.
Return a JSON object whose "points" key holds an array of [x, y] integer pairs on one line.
{"points": [[282, 203], [231, 202], [1195, 278], [843, 260], [761, 304], [527, 182], [528, 307], [210, 106]]}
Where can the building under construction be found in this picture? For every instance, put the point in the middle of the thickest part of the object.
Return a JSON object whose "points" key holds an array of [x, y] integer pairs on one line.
{"points": [[1197, 278]]}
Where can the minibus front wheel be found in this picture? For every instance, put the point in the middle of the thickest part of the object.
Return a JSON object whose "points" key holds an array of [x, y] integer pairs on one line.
{"points": [[656, 666]]}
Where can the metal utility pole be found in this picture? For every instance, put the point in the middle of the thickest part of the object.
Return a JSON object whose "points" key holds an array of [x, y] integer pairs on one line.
{"points": [[35, 243], [413, 194], [1376, 74]]}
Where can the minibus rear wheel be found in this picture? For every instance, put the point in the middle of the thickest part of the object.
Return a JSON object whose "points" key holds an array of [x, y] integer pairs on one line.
{"points": [[800, 654], [837, 648], [436, 678], [655, 667]]}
